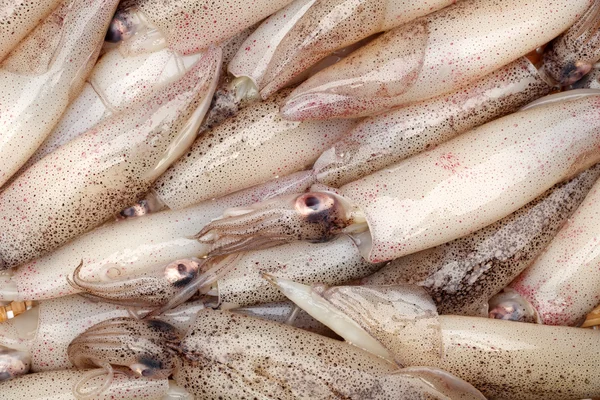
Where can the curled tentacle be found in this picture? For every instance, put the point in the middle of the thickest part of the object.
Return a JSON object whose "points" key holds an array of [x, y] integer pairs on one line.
{"points": [[142, 291], [145, 347], [78, 389], [315, 217], [510, 305], [13, 363]]}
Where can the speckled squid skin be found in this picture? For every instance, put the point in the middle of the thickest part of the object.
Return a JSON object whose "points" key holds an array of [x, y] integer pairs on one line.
{"points": [[331, 25], [562, 284], [191, 26], [34, 53], [503, 359], [133, 246], [226, 357], [462, 275], [58, 385], [18, 18], [433, 55], [338, 261], [116, 84], [251, 148], [574, 53], [32, 104], [391, 137], [116, 162], [475, 179]]}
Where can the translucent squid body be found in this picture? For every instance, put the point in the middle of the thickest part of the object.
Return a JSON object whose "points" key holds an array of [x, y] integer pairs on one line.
{"points": [[116, 162], [561, 286], [31, 105], [225, 355], [306, 31], [185, 26], [58, 385], [503, 359], [433, 197], [251, 148], [115, 84], [383, 140], [20, 17], [461, 276], [430, 56], [133, 247]]}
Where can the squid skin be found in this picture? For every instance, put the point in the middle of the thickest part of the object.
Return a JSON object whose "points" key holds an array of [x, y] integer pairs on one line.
{"points": [[33, 104], [461, 276], [251, 148], [58, 385], [33, 54], [184, 26], [430, 56], [503, 359], [562, 284], [320, 28], [380, 141], [133, 246], [117, 162], [116, 84], [434, 197], [19, 18], [223, 356]]}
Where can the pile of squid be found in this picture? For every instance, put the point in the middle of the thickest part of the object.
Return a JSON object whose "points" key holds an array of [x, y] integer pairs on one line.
{"points": [[308, 199]]}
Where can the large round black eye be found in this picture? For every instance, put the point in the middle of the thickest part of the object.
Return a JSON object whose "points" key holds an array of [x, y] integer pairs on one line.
{"points": [[312, 202], [181, 272], [120, 28]]}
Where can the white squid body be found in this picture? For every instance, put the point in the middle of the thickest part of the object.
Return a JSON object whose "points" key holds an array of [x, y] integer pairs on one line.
{"points": [[31, 105], [563, 284], [503, 359], [58, 385], [115, 84], [18, 18], [431, 56], [306, 31], [189, 26], [476, 179], [251, 148], [116, 162], [132, 246], [385, 139]]}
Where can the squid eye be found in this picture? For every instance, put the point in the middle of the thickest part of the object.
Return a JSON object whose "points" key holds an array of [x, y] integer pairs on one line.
{"points": [[120, 28], [315, 203], [574, 72], [149, 367], [181, 272], [13, 363]]}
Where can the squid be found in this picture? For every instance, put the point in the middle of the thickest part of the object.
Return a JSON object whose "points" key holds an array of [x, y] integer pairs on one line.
{"points": [[383, 140], [431, 198], [503, 359], [116, 84], [461, 276], [32, 104], [233, 281], [20, 17], [133, 246], [307, 31], [561, 286], [224, 355], [116, 162], [58, 385], [433, 55], [251, 148], [144, 26]]}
